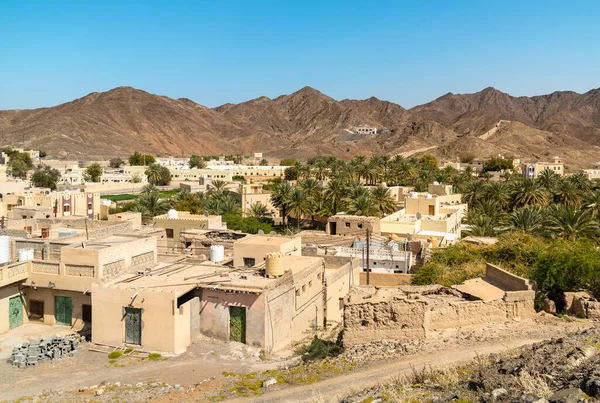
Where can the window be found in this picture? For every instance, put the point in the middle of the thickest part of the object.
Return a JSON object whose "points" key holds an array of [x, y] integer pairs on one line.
{"points": [[66, 208], [169, 232], [347, 225], [360, 225], [249, 262]]}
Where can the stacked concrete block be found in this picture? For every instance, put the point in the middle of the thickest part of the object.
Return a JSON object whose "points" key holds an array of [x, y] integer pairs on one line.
{"points": [[40, 350]]}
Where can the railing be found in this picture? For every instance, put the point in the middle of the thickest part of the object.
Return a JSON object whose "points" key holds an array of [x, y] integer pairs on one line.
{"points": [[13, 273], [373, 253]]}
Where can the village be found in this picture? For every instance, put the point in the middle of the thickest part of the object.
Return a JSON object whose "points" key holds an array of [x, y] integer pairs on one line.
{"points": [[165, 259]]}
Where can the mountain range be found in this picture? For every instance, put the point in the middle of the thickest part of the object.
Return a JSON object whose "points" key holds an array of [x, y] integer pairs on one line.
{"points": [[307, 123]]}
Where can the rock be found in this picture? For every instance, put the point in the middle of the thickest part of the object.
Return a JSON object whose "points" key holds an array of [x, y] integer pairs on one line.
{"points": [[549, 306], [542, 400], [268, 382], [496, 393], [117, 384], [99, 391], [139, 384], [572, 395]]}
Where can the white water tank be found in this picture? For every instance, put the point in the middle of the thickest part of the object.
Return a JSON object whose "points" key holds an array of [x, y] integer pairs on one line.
{"points": [[217, 253], [428, 196], [435, 183], [413, 195], [4, 249], [172, 213], [26, 254], [105, 202]]}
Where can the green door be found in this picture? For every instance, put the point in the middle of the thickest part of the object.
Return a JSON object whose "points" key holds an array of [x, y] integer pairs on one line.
{"points": [[237, 324], [15, 312], [63, 309], [133, 326]]}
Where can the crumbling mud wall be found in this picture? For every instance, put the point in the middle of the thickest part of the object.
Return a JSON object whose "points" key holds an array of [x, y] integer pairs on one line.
{"points": [[409, 313]]}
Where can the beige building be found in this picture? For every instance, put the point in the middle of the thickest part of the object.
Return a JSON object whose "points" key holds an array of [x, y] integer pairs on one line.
{"points": [[251, 251], [63, 204], [175, 221], [370, 130], [351, 225], [249, 194], [533, 170]]}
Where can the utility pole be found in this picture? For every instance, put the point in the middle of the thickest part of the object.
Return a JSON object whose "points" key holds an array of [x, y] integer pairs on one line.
{"points": [[368, 250]]}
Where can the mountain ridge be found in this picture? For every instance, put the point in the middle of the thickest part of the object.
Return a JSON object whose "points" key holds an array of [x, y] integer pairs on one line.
{"points": [[303, 124]]}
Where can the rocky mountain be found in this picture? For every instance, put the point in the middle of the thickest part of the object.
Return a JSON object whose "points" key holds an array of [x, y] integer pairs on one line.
{"points": [[565, 113], [308, 123]]}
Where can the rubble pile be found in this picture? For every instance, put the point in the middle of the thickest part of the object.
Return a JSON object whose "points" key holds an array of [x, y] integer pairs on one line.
{"points": [[380, 350], [50, 349]]}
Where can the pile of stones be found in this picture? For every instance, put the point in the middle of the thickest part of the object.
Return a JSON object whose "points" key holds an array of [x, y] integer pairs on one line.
{"points": [[50, 349]]}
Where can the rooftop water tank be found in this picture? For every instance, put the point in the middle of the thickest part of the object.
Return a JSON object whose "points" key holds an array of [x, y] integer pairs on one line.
{"points": [[217, 253], [428, 196], [435, 183], [413, 195], [105, 202], [274, 264], [172, 213], [4, 249]]}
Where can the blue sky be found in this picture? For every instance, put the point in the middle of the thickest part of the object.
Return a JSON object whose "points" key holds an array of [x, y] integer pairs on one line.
{"points": [[214, 52]]}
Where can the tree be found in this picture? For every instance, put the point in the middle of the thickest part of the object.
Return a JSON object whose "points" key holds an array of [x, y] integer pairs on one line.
{"points": [[335, 193], [291, 173], [298, 205], [19, 163], [116, 162], [548, 179], [45, 177], [481, 225], [528, 219], [474, 191], [429, 162], [592, 203], [158, 175], [499, 192], [43, 154], [467, 158], [151, 205], [566, 192], [138, 159], [363, 205], [280, 198], [287, 162], [263, 162], [529, 191], [498, 164], [258, 211], [571, 223], [383, 200], [197, 162], [93, 173]]}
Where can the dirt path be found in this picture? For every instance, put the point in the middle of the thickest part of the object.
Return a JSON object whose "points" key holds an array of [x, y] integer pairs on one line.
{"points": [[334, 389], [407, 154]]}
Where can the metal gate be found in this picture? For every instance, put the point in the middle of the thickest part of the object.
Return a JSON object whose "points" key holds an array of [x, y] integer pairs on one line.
{"points": [[237, 324], [15, 312], [63, 310], [133, 326]]}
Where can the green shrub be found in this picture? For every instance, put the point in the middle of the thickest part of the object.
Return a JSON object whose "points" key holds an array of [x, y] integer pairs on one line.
{"points": [[114, 355], [319, 349], [155, 357]]}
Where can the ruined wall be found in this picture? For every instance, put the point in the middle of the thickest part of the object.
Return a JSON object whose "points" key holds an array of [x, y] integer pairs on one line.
{"points": [[398, 319], [386, 279]]}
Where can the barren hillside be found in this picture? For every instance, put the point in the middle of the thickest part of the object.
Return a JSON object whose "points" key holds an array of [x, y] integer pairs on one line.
{"points": [[308, 123]]}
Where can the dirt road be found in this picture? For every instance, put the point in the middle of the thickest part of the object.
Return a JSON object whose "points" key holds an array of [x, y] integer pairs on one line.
{"points": [[334, 389]]}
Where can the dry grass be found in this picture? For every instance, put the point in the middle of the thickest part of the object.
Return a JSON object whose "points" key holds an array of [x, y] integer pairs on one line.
{"points": [[535, 384]]}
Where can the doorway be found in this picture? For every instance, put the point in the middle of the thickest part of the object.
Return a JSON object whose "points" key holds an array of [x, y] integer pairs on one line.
{"points": [[86, 313], [36, 309], [431, 210], [332, 228], [15, 312], [133, 326], [237, 324], [63, 310]]}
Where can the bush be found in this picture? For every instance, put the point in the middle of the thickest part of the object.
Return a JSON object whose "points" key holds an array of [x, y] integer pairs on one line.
{"points": [[248, 225], [319, 349], [114, 355]]}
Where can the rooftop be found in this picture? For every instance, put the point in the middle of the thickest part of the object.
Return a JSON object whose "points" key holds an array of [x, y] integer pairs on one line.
{"points": [[265, 240]]}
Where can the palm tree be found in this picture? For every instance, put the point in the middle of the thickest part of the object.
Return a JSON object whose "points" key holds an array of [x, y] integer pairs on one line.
{"points": [[363, 205], [529, 219], [592, 203], [280, 198], [320, 169], [499, 193], [548, 179], [566, 193], [383, 200], [335, 193], [298, 204], [580, 181], [473, 192], [313, 191], [154, 173], [571, 223], [488, 208], [529, 191], [481, 225], [229, 205], [147, 189], [152, 205], [258, 211]]}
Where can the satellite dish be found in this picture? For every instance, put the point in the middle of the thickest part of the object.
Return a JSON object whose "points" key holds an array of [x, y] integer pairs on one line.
{"points": [[419, 215], [206, 213], [261, 232], [272, 233]]}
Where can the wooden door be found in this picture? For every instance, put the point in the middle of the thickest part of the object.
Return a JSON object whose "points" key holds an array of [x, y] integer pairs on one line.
{"points": [[15, 312], [133, 326], [63, 310], [237, 324]]}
